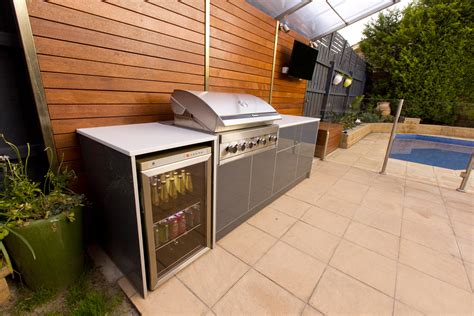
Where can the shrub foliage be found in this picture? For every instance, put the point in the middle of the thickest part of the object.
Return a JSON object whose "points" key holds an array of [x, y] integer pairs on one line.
{"points": [[424, 54]]}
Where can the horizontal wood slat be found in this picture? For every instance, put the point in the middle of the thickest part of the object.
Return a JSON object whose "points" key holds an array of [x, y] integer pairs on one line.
{"points": [[53, 47], [70, 126], [112, 12], [66, 111], [88, 67], [74, 17]]}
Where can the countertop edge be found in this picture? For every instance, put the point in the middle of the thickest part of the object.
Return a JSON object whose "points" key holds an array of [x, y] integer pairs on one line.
{"points": [[295, 120], [207, 138]]}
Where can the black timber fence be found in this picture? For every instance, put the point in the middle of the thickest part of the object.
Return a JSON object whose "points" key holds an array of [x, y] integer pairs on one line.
{"points": [[335, 56]]}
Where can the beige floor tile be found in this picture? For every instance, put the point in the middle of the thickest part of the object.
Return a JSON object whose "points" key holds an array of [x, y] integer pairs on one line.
{"points": [[423, 187], [248, 243], [344, 157], [292, 269], [333, 168], [290, 206], [311, 240], [213, 274], [309, 311], [254, 294], [366, 266], [348, 190], [360, 176], [326, 220], [307, 192], [381, 242], [467, 249], [441, 224], [425, 206], [422, 194], [272, 221], [371, 164], [441, 266], [379, 219], [389, 183], [463, 230], [429, 237], [431, 296], [465, 217], [339, 294], [458, 200], [470, 273], [381, 200], [172, 298], [401, 309], [323, 178], [337, 205]]}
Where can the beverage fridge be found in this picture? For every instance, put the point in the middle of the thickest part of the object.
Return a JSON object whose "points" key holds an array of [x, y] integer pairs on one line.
{"points": [[175, 192]]}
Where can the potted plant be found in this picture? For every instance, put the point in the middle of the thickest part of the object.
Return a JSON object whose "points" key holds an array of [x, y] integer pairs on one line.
{"points": [[40, 226]]}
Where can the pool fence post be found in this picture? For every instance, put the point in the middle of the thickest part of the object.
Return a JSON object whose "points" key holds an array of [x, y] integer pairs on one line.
{"points": [[465, 175], [392, 136]]}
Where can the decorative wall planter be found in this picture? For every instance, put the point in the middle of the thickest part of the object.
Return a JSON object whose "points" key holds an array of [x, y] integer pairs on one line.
{"points": [[57, 243], [337, 79], [347, 82]]}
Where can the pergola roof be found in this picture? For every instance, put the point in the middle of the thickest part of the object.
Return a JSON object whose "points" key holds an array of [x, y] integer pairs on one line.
{"points": [[317, 18]]}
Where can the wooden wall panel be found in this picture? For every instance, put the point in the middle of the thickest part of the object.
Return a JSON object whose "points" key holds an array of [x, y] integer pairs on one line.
{"points": [[106, 62], [241, 48], [114, 62]]}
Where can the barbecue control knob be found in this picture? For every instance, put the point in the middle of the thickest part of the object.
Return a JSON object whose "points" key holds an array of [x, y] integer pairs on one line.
{"points": [[242, 146], [263, 141], [232, 149], [272, 138], [252, 144]]}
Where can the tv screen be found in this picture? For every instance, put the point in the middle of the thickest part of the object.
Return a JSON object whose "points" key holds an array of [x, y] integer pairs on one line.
{"points": [[303, 59]]}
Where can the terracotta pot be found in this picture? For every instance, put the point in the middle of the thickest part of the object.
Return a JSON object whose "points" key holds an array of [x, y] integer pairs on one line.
{"points": [[384, 108]]}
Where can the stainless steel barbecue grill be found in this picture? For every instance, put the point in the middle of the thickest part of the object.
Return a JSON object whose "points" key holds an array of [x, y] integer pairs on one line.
{"points": [[244, 122]]}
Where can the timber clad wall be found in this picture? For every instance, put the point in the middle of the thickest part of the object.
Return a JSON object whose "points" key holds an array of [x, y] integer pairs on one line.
{"points": [[117, 61], [241, 52]]}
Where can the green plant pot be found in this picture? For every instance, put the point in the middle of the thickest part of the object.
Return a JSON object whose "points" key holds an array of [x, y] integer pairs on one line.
{"points": [[58, 247]]}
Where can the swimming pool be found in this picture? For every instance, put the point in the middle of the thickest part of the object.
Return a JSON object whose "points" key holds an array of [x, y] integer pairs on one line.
{"points": [[432, 150]]}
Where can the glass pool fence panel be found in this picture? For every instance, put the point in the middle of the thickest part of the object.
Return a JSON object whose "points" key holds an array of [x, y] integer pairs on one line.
{"points": [[434, 143]]}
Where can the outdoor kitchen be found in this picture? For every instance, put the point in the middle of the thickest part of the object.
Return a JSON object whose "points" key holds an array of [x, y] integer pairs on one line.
{"points": [[167, 192]]}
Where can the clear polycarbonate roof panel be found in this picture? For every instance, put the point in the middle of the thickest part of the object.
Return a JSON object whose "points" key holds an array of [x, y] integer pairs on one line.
{"points": [[317, 18], [274, 7], [353, 10], [314, 19]]}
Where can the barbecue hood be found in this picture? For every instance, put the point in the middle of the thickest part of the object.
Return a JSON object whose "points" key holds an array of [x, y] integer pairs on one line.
{"points": [[219, 112]]}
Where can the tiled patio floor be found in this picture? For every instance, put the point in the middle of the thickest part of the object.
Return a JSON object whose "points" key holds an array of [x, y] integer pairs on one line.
{"points": [[346, 241]]}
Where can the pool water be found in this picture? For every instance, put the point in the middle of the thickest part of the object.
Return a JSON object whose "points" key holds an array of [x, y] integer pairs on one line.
{"points": [[434, 151]]}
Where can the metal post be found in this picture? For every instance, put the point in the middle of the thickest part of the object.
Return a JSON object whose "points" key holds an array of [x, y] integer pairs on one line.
{"points": [[392, 136], [465, 175]]}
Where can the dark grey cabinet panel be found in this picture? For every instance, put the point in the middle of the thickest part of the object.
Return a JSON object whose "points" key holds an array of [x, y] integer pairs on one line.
{"points": [[263, 166], [232, 196], [306, 152], [288, 137], [285, 170]]}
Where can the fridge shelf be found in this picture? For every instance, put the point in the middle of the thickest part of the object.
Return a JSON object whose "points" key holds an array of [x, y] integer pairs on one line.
{"points": [[176, 238], [166, 214]]}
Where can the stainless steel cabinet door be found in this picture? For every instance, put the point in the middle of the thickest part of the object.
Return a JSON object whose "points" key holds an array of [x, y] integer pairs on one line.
{"points": [[307, 142], [233, 190], [285, 170], [263, 167]]}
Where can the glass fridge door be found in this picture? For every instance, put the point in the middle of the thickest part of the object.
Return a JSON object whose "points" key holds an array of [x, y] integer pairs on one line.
{"points": [[177, 201]]}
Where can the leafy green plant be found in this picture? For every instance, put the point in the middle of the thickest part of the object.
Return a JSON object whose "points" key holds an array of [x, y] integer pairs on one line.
{"points": [[424, 54], [23, 200]]}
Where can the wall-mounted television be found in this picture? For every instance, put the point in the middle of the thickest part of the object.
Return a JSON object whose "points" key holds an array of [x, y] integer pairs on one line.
{"points": [[303, 60]]}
